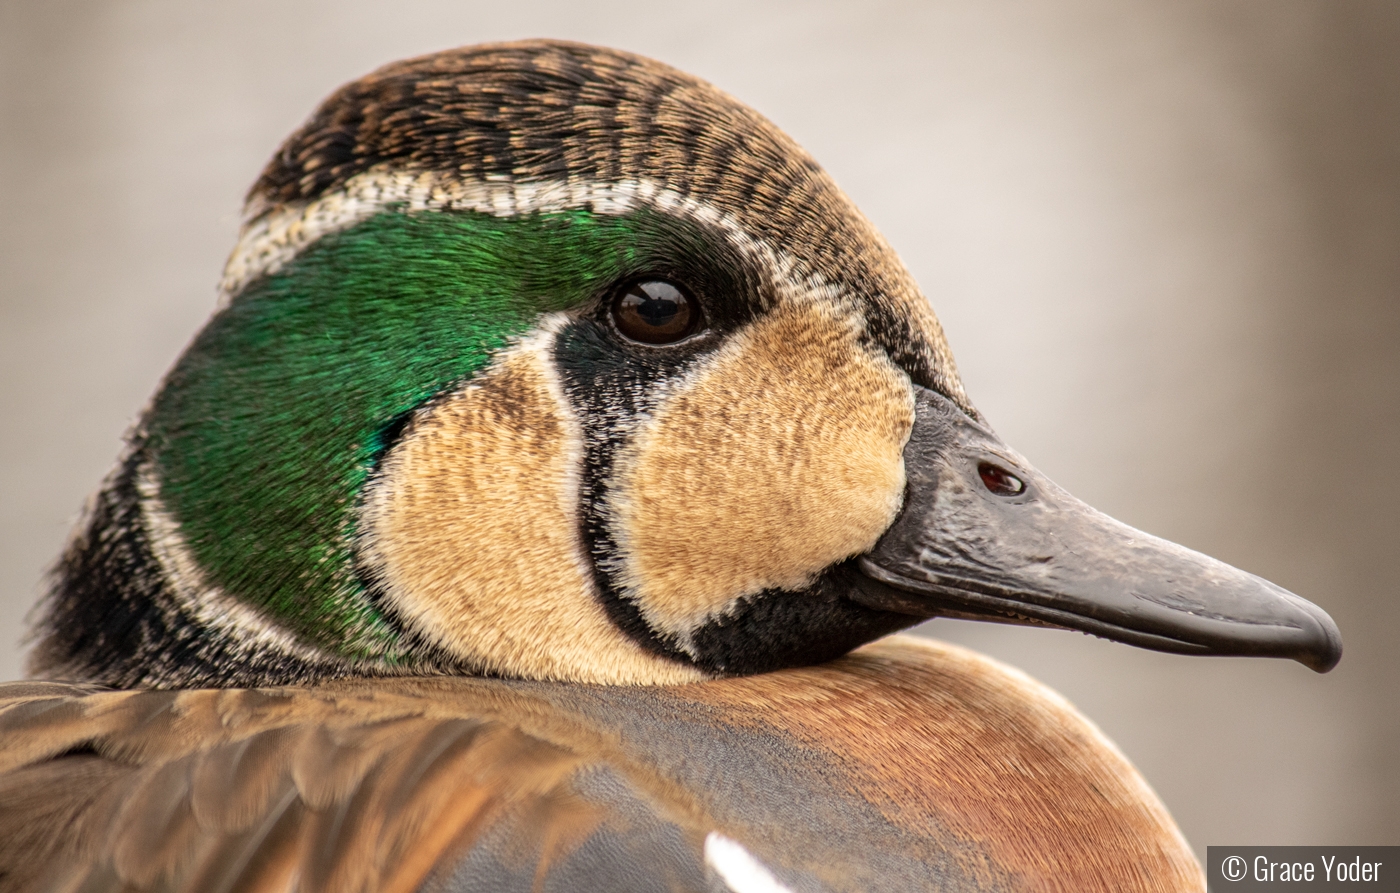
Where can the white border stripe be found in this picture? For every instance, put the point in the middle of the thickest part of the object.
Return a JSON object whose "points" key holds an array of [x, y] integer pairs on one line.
{"points": [[271, 240], [220, 614]]}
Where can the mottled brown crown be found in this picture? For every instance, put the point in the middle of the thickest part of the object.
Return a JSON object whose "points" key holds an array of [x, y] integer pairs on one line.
{"points": [[549, 111]]}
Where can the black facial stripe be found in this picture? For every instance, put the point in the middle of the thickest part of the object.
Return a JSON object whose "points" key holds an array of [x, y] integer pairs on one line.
{"points": [[611, 381], [780, 628], [610, 384], [890, 333], [609, 387]]}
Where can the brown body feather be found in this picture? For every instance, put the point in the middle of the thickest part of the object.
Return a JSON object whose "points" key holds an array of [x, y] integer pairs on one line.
{"points": [[904, 766]]}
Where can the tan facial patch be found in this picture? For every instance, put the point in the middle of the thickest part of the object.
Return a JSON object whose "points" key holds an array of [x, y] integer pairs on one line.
{"points": [[473, 528], [783, 456]]}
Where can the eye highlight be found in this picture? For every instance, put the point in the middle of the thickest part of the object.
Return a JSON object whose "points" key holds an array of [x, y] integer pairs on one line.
{"points": [[655, 311]]}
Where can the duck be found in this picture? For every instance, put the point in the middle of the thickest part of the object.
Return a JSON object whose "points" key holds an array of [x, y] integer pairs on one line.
{"points": [[539, 509]]}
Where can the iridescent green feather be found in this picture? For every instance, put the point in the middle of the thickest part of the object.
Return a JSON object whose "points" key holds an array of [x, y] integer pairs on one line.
{"points": [[270, 424]]}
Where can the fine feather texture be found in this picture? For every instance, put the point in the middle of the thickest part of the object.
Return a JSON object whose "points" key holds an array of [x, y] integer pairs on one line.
{"points": [[779, 458], [263, 791], [906, 765], [282, 511], [470, 530], [539, 111]]}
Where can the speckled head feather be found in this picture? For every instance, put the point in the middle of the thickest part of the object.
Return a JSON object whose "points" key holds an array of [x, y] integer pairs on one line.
{"points": [[550, 116], [411, 439]]}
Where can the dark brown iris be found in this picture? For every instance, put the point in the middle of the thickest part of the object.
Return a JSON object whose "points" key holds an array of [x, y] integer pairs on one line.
{"points": [[1000, 481], [655, 311]]}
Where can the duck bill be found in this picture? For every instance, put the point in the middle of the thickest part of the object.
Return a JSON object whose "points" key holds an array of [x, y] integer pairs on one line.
{"points": [[985, 536]]}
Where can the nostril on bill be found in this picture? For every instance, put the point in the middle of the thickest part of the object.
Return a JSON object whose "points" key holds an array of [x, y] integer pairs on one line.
{"points": [[999, 480]]}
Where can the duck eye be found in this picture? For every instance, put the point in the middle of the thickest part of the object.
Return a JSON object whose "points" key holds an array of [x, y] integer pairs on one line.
{"points": [[999, 480], [655, 311]]}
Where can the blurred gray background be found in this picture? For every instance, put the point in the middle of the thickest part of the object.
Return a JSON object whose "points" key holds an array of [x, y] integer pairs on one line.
{"points": [[1164, 238]]}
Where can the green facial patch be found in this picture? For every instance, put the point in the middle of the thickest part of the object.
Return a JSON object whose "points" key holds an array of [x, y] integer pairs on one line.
{"points": [[271, 422]]}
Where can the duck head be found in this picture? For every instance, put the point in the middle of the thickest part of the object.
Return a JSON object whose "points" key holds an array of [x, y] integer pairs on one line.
{"points": [[549, 361]]}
